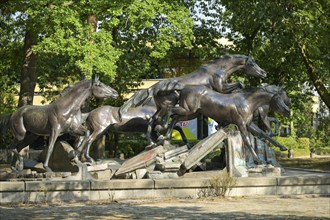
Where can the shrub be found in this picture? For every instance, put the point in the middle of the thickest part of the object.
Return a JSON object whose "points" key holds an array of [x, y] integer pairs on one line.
{"points": [[218, 186], [300, 146]]}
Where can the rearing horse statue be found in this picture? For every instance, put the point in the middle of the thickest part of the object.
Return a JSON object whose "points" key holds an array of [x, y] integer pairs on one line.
{"points": [[61, 116], [235, 108], [213, 75]]}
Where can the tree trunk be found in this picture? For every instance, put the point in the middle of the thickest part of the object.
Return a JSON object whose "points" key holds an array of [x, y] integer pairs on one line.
{"points": [[28, 73], [319, 86], [91, 20]]}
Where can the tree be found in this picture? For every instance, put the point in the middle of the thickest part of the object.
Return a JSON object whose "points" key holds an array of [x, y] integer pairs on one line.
{"points": [[146, 32], [69, 40], [290, 37], [10, 51], [58, 45]]}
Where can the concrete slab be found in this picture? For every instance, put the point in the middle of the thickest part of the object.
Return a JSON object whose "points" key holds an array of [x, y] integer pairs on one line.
{"points": [[13, 197], [201, 149], [140, 161], [46, 186], [300, 190], [256, 181], [57, 196], [123, 184], [12, 186], [308, 180], [184, 187], [181, 183]]}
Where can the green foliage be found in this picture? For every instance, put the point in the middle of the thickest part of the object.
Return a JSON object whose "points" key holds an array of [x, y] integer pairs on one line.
{"points": [[300, 146], [322, 138], [322, 163], [124, 43], [70, 49], [146, 32], [304, 143], [273, 32], [10, 62], [131, 148]]}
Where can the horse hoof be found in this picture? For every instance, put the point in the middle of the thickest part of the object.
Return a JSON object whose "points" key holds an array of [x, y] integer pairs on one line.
{"points": [[73, 154], [90, 160], [13, 169], [161, 138], [88, 163], [48, 170], [283, 149], [150, 146], [20, 166]]}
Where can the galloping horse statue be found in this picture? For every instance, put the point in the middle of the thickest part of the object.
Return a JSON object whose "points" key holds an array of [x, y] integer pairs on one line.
{"points": [[235, 108], [213, 75], [106, 118], [61, 116]]}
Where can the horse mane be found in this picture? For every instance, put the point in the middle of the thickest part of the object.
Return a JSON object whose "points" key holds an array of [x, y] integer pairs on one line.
{"points": [[246, 90], [225, 57], [71, 87], [222, 59], [273, 89]]}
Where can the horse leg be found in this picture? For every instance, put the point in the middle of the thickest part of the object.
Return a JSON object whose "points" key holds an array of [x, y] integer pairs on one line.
{"points": [[78, 146], [183, 136], [247, 141], [88, 142], [277, 125], [181, 111], [229, 87], [18, 146], [17, 167], [170, 128], [52, 138], [255, 130], [154, 135], [87, 145], [149, 132]]}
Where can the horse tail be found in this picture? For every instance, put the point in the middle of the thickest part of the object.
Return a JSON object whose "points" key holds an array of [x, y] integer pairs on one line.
{"points": [[4, 123], [138, 98], [167, 86]]}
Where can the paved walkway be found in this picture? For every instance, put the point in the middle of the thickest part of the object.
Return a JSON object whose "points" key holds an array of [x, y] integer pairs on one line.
{"points": [[261, 207]]}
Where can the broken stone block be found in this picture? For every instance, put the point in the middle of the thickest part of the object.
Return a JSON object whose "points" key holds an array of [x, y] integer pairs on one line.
{"points": [[60, 160], [33, 165]]}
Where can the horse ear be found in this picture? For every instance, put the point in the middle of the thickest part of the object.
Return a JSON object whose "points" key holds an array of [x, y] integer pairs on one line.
{"points": [[95, 78], [279, 89]]}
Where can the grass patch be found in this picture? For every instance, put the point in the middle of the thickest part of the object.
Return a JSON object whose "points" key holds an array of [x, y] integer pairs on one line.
{"points": [[322, 163]]}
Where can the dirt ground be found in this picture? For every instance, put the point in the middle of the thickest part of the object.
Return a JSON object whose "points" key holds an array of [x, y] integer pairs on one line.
{"points": [[257, 207]]}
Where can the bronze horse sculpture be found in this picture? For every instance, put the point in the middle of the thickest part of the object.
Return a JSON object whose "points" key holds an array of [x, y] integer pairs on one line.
{"points": [[106, 118], [61, 116], [261, 125], [213, 75], [235, 108]]}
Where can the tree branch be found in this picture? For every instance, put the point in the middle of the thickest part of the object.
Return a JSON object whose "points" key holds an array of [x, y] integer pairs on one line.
{"points": [[319, 86]]}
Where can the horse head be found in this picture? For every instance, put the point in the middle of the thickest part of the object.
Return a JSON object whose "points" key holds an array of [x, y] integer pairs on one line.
{"points": [[252, 68], [100, 90], [280, 101], [276, 89]]}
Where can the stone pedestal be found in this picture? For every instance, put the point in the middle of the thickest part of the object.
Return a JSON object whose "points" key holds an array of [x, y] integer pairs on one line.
{"points": [[239, 159], [60, 160]]}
